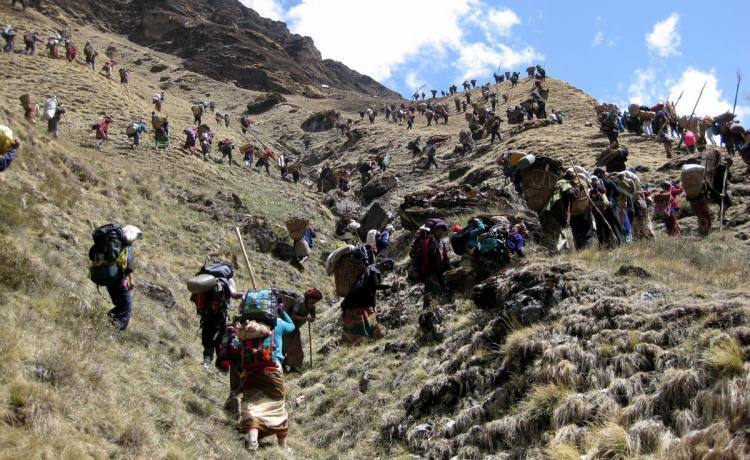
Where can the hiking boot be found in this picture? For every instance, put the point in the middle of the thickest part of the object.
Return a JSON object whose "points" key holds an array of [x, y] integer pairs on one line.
{"points": [[207, 362]]}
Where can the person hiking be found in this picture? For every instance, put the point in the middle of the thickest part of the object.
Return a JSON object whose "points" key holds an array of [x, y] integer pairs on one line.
{"points": [[494, 127], [245, 123], [303, 246], [226, 146], [90, 54], [409, 120], [264, 160], [365, 170], [358, 307], [124, 77], [70, 51], [212, 306], [301, 310], [661, 122], [429, 258], [430, 151], [23, 3], [473, 83], [612, 211], [109, 66], [370, 116], [384, 238], [555, 216], [29, 41], [226, 120], [466, 141], [9, 35], [667, 206], [434, 92], [206, 139], [190, 138], [102, 131], [8, 147], [607, 226], [135, 130], [212, 106], [248, 152], [158, 101], [112, 266], [53, 122], [252, 352], [197, 114]]}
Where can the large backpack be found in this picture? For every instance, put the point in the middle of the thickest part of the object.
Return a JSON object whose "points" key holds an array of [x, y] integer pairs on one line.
{"points": [[245, 355], [261, 306], [108, 254], [210, 283], [459, 240]]}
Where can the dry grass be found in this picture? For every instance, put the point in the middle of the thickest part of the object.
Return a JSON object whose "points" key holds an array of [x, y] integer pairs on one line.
{"points": [[724, 358], [719, 261], [609, 441]]}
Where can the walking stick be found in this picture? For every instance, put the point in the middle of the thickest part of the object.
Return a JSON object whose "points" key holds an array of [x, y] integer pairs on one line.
{"points": [[682, 137], [67, 123], [247, 260], [309, 336], [736, 91], [723, 194]]}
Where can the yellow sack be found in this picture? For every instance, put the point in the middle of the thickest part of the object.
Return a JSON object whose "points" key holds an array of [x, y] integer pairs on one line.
{"points": [[6, 139]]}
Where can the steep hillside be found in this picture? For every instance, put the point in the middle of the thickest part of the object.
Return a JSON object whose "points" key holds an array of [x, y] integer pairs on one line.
{"points": [[638, 352], [223, 40]]}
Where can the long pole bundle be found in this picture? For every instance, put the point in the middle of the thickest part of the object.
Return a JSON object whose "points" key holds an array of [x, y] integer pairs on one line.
{"points": [[247, 259], [682, 138]]}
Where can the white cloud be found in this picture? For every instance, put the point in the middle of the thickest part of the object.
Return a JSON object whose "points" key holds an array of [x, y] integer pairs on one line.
{"points": [[480, 60], [643, 89], [270, 9], [598, 39], [664, 39], [362, 33], [412, 81], [713, 102], [646, 89], [502, 21]]}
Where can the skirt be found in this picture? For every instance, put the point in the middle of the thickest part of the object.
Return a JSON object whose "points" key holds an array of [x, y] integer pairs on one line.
{"points": [[294, 354], [263, 403], [360, 325]]}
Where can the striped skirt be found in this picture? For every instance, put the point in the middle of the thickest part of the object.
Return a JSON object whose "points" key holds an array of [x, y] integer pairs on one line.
{"points": [[360, 325]]}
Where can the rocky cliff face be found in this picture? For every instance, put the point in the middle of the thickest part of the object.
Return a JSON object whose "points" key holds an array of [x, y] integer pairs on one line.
{"points": [[226, 41]]}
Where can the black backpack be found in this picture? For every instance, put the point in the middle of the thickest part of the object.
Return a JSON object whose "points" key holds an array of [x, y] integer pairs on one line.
{"points": [[108, 254], [218, 270]]}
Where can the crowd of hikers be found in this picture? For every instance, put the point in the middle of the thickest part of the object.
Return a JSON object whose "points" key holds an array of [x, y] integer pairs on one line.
{"points": [[260, 339]]}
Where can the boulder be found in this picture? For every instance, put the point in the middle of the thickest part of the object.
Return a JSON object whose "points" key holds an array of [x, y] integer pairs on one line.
{"points": [[355, 135], [478, 176], [458, 171], [463, 200], [375, 218], [156, 68], [633, 270], [438, 139], [264, 103], [320, 121], [379, 186], [261, 233], [158, 293]]}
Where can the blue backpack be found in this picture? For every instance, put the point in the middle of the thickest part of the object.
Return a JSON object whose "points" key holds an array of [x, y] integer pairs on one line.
{"points": [[261, 306]]}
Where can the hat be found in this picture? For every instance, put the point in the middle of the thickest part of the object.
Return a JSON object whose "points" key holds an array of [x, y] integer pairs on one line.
{"points": [[313, 294]]}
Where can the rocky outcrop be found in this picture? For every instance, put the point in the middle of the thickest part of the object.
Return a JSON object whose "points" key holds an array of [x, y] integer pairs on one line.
{"points": [[320, 121], [264, 103], [224, 40]]}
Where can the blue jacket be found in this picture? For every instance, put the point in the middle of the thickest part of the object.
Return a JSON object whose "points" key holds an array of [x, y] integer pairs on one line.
{"points": [[309, 236], [284, 325], [384, 240], [7, 159]]}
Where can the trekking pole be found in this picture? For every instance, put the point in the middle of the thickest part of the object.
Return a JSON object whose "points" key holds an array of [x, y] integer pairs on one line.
{"points": [[682, 137], [723, 194], [309, 336], [247, 260], [67, 123], [674, 106]]}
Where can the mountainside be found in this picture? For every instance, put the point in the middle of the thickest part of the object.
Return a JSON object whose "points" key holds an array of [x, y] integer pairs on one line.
{"points": [[636, 352], [224, 40]]}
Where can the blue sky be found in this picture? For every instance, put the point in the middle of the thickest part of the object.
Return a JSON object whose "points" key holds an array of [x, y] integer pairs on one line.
{"points": [[645, 52]]}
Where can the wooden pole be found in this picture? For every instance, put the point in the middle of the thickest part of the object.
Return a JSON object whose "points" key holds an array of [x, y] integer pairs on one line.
{"points": [[247, 260], [309, 336], [736, 91], [682, 138]]}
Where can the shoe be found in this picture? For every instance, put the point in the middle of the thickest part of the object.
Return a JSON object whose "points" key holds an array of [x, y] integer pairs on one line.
{"points": [[252, 446], [207, 362]]}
